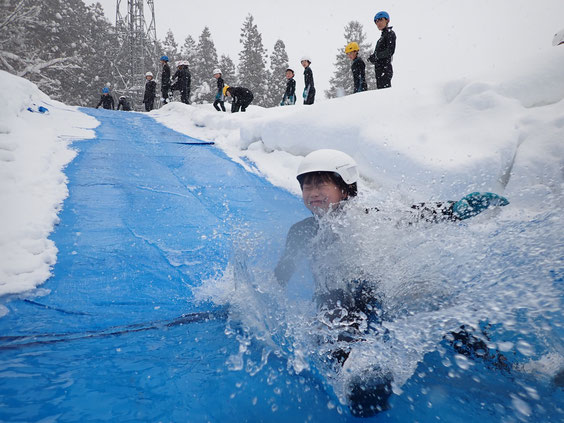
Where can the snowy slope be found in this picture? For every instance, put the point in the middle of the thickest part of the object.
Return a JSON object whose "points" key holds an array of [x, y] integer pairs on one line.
{"points": [[440, 141], [33, 152]]}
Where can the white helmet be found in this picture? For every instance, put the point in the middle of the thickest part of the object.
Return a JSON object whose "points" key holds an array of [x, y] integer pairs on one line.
{"points": [[306, 57], [327, 160], [216, 70], [150, 74]]}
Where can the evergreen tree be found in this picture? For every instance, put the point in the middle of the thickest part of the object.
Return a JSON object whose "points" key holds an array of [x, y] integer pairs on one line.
{"points": [[170, 47], [342, 80], [252, 65], [278, 66], [228, 70], [188, 51], [206, 62]]}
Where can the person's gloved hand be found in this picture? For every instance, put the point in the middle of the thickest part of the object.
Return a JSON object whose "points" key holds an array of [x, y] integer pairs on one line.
{"points": [[475, 203], [218, 96], [304, 95]]}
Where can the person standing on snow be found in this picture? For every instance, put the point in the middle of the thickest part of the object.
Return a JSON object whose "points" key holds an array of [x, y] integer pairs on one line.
{"points": [[183, 80], [106, 100], [384, 51], [349, 304], [165, 79], [124, 104], [150, 92], [290, 93], [219, 97], [242, 97], [309, 90], [358, 67]]}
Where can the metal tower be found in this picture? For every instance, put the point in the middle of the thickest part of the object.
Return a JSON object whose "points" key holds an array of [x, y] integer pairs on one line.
{"points": [[138, 47]]}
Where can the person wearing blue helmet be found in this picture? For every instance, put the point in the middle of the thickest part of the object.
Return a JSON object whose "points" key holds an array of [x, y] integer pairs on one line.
{"points": [[384, 51], [106, 100], [165, 79]]}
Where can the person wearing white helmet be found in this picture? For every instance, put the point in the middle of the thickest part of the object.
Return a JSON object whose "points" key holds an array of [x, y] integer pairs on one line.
{"points": [[348, 304], [219, 98], [150, 92], [309, 86], [183, 81]]}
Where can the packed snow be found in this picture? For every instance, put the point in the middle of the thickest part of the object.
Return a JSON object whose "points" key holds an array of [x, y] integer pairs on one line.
{"points": [[35, 133]]}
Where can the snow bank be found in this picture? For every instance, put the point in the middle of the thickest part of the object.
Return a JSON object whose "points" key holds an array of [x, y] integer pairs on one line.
{"points": [[33, 152], [433, 142]]}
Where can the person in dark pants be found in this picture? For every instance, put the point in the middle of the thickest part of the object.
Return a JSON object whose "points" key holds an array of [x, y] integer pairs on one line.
{"points": [[290, 93], [348, 305], [309, 90], [106, 100], [165, 80], [123, 103], [183, 80], [358, 67], [150, 92], [242, 97], [219, 97], [384, 51]]}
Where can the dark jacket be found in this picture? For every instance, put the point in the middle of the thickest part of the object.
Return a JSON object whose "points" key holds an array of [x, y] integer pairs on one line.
{"points": [[301, 235], [385, 49], [309, 90], [150, 91], [124, 104], [241, 96], [183, 80], [220, 85], [106, 101], [165, 77], [359, 75], [290, 93]]}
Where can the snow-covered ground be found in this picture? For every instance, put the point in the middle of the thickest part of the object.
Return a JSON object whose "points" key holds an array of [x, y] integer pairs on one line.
{"points": [[441, 141], [504, 134], [34, 149]]}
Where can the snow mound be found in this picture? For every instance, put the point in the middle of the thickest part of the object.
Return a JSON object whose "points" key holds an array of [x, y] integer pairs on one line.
{"points": [[433, 142], [35, 132]]}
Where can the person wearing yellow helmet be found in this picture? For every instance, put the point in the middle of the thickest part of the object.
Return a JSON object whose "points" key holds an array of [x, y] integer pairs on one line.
{"points": [[358, 67], [241, 96]]}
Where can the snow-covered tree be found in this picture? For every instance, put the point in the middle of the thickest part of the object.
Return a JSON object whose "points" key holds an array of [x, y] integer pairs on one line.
{"points": [[252, 63], [206, 59], [342, 80], [277, 80], [188, 50], [170, 47], [228, 71]]}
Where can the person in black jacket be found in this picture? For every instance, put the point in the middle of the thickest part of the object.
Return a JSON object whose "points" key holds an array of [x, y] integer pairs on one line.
{"points": [[165, 80], [358, 67], [150, 91], [183, 80], [349, 303], [242, 97], [123, 103], [219, 97], [309, 90], [106, 100], [290, 93], [384, 51]]}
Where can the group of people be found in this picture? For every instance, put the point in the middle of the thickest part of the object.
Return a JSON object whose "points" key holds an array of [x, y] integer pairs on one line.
{"points": [[242, 97]]}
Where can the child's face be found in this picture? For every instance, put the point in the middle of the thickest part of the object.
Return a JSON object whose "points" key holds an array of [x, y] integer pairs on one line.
{"points": [[321, 196], [305, 63], [216, 75], [289, 74], [381, 23], [148, 77], [352, 55]]}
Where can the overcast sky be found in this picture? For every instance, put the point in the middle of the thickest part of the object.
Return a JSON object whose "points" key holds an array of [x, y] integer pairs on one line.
{"points": [[434, 36]]}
